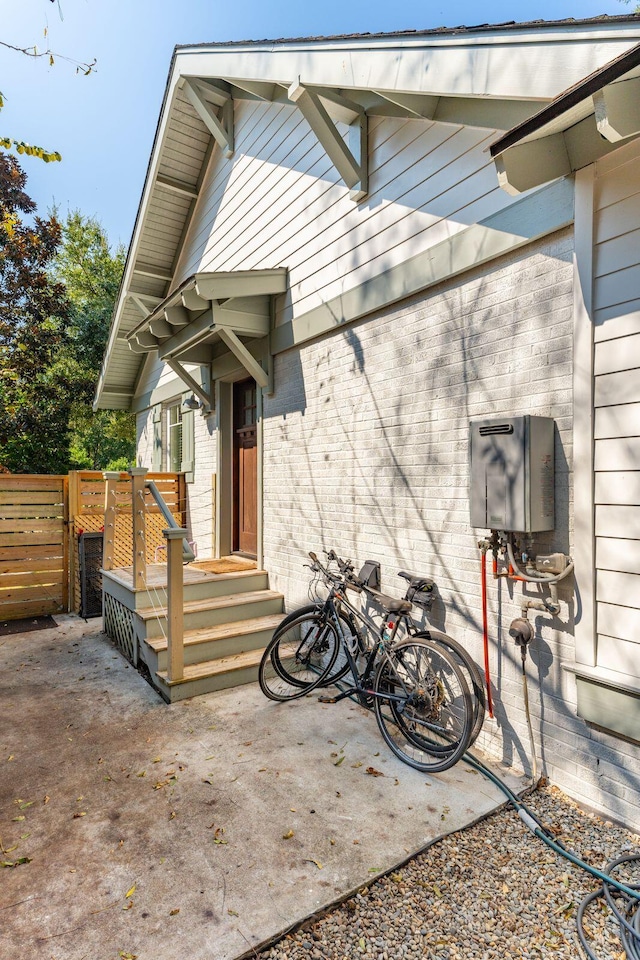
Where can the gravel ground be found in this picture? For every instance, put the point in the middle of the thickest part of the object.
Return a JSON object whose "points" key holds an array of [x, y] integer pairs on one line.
{"points": [[491, 891]]}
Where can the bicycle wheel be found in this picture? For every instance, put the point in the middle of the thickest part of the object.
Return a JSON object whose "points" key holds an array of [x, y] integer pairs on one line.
{"points": [[471, 672], [425, 715], [298, 657], [348, 629]]}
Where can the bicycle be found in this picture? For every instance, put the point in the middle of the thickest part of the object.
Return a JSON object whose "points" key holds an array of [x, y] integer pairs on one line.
{"points": [[419, 592], [417, 692]]}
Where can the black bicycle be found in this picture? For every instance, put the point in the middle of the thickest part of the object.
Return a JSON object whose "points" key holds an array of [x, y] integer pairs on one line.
{"points": [[417, 691]]}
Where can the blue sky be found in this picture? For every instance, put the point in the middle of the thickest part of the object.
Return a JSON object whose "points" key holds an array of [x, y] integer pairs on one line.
{"points": [[103, 124]]}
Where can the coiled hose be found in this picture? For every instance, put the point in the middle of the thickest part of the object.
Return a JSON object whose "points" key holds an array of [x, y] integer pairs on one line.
{"points": [[622, 899]]}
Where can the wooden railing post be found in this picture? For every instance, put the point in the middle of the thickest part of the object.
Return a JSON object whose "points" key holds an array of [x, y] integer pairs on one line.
{"points": [[175, 610], [111, 478], [137, 475]]}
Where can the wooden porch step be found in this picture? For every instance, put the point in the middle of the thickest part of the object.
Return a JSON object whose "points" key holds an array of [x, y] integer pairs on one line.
{"points": [[216, 611], [213, 668], [223, 640], [211, 675], [225, 631]]}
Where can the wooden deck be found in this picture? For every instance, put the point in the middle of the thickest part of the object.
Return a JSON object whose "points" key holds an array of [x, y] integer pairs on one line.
{"points": [[197, 572]]}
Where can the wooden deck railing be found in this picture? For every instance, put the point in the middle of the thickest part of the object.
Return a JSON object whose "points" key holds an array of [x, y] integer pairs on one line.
{"points": [[89, 504], [142, 508]]}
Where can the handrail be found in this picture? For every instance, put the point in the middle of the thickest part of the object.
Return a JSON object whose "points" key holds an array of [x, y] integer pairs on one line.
{"points": [[187, 553]]}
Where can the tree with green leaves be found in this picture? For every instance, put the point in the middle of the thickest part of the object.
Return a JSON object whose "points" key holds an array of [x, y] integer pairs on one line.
{"points": [[91, 274], [58, 285], [35, 400]]}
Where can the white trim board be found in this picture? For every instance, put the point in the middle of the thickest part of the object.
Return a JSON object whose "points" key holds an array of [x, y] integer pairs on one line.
{"points": [[536, 215]]}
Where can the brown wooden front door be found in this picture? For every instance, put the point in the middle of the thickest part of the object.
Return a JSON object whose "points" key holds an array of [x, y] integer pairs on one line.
{"points": [[245, 468]]}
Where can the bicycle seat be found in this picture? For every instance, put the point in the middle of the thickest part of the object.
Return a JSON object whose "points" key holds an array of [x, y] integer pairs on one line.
{"points": [[421, 590], [425, 584]]}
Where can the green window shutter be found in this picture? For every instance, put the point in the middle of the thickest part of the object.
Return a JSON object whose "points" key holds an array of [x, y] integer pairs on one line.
{"points": [[188, 443], [156, 418]]}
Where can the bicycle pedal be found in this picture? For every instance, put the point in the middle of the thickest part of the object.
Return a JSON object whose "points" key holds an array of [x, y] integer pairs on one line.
{"points": [[327, 700]]}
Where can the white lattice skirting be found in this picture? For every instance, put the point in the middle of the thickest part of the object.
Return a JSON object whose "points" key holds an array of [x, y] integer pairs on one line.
{"points": [[118, 625]]}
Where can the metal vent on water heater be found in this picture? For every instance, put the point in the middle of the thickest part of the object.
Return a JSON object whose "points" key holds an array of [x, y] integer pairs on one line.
{"points": [[512, 474], [497, 429]]}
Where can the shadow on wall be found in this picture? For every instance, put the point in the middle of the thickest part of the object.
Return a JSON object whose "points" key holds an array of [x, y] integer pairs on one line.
{"points": [[378, 458]]}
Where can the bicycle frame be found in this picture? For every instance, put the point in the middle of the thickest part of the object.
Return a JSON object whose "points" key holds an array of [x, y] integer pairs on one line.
{"points": [[362, 688]]}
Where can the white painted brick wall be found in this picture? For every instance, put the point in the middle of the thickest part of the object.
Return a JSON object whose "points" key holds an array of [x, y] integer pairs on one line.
{"points": [[366, 451]]}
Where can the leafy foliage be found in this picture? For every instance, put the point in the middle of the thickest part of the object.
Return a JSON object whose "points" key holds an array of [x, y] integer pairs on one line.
{"points": [[58, 284], [91, 274], [35, 402]]}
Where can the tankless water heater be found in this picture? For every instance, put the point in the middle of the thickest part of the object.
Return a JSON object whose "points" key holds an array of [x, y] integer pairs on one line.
{"points": [[512, 474]]}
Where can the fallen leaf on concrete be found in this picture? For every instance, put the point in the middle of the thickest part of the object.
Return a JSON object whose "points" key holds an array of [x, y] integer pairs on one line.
{"points": [[142, 773], [339, 761], [232, 913], [27, 803], [310, 860], [130, 892], [17, 818], [128, 956], [46, 799], [157, 760], [172, 913], [15, 863], [356, 765], [172, 815], [128, 905], [287, 835], [374, 773], [80, 813], [218, 835]]}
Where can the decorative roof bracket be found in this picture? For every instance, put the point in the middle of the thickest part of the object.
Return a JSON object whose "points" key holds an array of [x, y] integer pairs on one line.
{"points": [[351, 161], [193, 385], [202, 97], [617, 109]]}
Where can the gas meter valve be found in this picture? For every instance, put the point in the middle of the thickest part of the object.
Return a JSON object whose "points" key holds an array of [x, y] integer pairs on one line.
{"points": [[521, 631]]}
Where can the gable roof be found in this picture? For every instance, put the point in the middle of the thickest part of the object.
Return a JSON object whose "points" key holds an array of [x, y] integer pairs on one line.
{"points": [[461, 74]]}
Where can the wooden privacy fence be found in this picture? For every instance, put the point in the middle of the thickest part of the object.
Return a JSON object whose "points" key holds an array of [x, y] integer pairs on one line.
{"points": [[34, 546], [41, 519]]}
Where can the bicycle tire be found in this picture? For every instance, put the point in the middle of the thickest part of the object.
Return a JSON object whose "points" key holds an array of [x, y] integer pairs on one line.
{"points": [[471, 670], [298, 658], [425, 715], [341, 665]]}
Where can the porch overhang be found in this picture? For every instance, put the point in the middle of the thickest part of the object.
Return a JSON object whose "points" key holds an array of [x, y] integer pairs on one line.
{"points": [[583, 124], [210, 313]]}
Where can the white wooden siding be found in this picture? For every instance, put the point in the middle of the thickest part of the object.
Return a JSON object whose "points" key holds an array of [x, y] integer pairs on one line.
{"points": [[616, 299], [280, 202]]}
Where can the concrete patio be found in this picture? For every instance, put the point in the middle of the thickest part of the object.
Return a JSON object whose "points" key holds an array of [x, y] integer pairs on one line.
{"points": [[203, 829]]}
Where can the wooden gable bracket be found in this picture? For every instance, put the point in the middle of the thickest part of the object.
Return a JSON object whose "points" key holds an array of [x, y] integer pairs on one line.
{"points": [[529, 164], [617, 109], [351, 161], [203, 96], [205, 398]]}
